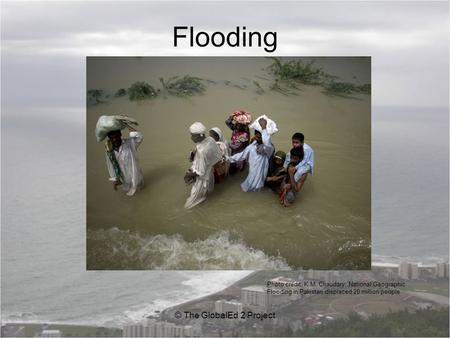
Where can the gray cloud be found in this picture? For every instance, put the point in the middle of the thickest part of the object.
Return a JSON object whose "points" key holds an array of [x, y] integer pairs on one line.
{"points": [[53, 19], [44, 45]]}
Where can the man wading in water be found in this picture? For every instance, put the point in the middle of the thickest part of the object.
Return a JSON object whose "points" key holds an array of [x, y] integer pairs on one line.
{"points": [[122, 162], [204, 157]]}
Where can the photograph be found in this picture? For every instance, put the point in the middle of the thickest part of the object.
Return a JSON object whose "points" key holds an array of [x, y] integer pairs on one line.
{"points": [[224, 169], [228, 163]]}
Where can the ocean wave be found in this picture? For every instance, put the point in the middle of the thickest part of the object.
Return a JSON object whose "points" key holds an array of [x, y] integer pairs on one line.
{"points": [[198, 284], [18, 317], [137, 313], [216, 280], [190, 285], [123, 249], [383, 260]]}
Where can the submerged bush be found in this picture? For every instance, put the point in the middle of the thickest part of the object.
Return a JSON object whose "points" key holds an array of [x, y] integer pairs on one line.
{"points": [[141, 90], [259, 89], [121, 92], [284, 87], [288, 75], [365, 88], [334, 88], [94, 96], [303, 72], [186, 86]]}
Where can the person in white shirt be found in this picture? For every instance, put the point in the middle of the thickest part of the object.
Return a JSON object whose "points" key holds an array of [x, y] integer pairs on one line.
{"points": [[297, 171], [122, 161], [306, 165], [204, 157], [258, 154]]}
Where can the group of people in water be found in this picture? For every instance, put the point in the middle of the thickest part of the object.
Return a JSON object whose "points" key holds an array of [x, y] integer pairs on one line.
{"points": [[214, 158]]}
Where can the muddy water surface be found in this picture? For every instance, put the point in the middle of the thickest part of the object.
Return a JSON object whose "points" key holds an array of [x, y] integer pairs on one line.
{"points": [[329, 225]]}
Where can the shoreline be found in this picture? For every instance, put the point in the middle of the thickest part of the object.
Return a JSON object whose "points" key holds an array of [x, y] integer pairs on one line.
{"points": [[230, 292], [92, 327], [67, 330]]}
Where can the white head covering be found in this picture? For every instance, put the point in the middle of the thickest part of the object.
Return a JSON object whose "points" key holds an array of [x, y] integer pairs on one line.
{"points": [[222, 143], [271, 125], [219, 133], [197, 128]]}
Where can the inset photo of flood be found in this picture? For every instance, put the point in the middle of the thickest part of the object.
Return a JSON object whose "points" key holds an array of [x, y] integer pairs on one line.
{"points": [[228, 163]]}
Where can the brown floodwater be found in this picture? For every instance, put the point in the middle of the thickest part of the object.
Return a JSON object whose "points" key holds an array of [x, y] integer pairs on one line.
{"points": [[328, 227]]}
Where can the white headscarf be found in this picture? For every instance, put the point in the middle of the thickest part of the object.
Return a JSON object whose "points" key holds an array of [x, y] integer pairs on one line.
{"points": [[222, 143], [219, 133], [271, 125], [197, 128]]}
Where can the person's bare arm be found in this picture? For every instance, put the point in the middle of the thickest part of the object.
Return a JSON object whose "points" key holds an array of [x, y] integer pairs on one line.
{"points": [[299, 185], [291, 172], [190, 177], [268, 147], [275, 178], [229, 123], [263, 123], [278, 178]]}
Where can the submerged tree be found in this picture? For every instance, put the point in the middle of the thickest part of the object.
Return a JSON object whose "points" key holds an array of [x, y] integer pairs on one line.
{"points": [[94, 96], [141, 90], [120, 92], [302, 72], [186, 86]]}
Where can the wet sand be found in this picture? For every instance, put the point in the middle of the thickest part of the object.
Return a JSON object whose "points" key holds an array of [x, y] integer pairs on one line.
{"points": [[329, 225]]}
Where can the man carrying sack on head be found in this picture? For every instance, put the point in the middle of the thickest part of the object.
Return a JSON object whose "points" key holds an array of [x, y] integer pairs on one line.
{"points": [[121, 158]]}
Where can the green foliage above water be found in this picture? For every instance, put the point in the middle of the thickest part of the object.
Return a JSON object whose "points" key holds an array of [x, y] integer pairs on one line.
{"points": [[284, 87], [365, 88], [141, 90], [234, 85], [286, 78], [422, 323], [121, 92], [334, 88], [94, 96], [185, 86], [302, 72], [259, 89], [289, 75]]}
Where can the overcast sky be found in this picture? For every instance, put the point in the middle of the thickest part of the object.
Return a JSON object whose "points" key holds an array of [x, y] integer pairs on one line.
{"points": [[44, 48], [44, 44]]}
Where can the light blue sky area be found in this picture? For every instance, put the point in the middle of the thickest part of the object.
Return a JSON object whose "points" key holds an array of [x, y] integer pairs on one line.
{"points": [[44, 44]]}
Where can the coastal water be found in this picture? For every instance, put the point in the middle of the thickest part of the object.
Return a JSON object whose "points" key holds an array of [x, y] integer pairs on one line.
{"points": [[43, 232], [329, 225], [44, 276], [410, 183]]}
